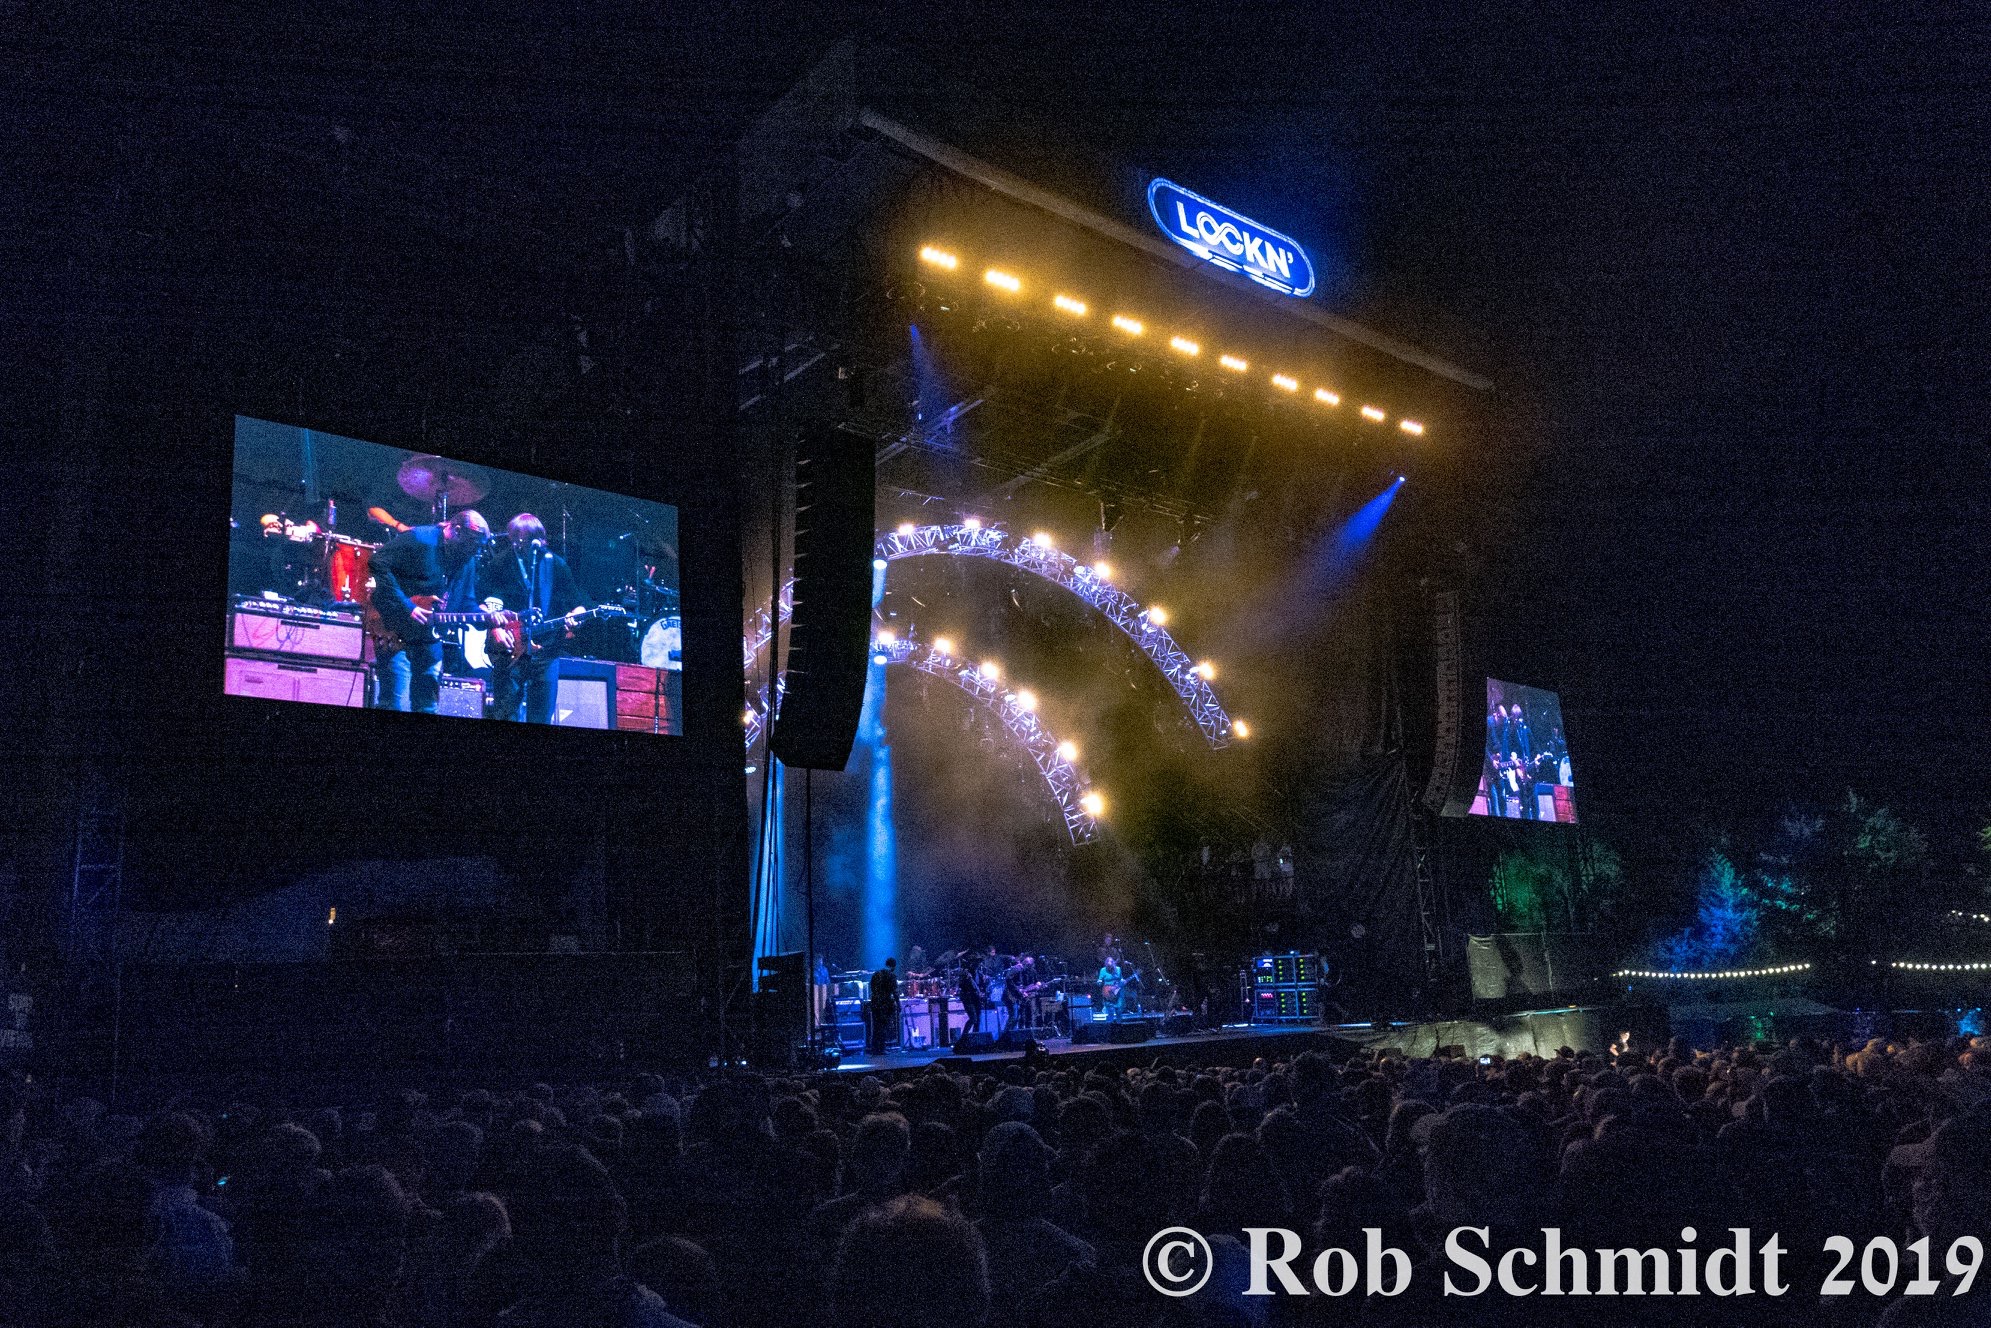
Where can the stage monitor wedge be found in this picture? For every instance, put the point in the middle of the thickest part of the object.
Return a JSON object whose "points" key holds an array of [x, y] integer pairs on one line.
{"points": [[830, 633]]}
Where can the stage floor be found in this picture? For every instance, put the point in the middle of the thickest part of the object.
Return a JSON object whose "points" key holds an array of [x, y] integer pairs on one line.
{"points": [[1214, 1046], [1540, 1032]]}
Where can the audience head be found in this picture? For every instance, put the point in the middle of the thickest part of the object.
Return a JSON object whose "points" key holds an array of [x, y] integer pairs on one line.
{"points": [[878, 1153], [868, 1281]]}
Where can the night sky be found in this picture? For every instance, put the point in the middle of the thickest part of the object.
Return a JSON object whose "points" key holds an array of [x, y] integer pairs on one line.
{"points": [[1729, 273], [1727, 267]]}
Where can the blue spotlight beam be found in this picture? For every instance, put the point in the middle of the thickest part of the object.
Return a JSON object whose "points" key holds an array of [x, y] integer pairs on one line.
{"points": [[1342, 551], [1359, 529], [880, 913]]}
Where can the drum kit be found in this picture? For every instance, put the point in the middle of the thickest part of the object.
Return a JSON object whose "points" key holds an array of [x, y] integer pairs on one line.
{"points": [[319, 565], [334, 568], [656, 622]]}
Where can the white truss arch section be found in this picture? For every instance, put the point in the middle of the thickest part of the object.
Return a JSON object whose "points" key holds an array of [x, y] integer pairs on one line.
{"points": [[1061, 569], [1063, 776], [1067, 783], [1111, 602]]}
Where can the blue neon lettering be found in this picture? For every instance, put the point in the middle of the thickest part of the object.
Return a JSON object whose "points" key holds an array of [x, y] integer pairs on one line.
{"points": [[1238, 244]]}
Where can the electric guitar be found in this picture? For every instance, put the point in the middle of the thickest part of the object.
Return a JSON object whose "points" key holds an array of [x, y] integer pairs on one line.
{"points": [[389, 637], [521, 637]]}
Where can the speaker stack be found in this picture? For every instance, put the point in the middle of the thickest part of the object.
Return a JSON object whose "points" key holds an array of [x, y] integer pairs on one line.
{"points": [[829, 634], [280, 651]]}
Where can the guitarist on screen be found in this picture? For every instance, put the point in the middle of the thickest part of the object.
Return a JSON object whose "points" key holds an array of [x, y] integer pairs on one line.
{"points": [[537, 584], [424, 562]]}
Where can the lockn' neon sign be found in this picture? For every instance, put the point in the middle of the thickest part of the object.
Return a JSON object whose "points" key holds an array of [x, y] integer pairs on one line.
{"points": [[1218, 235]]}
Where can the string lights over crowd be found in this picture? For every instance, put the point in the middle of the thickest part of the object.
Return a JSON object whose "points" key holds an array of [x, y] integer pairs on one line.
{"points": [[1072, 306], [1782, 970], [1725, 975]]}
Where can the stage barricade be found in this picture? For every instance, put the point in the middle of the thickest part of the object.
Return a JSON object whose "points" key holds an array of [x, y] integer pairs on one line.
{"points": [[1532, 963]]}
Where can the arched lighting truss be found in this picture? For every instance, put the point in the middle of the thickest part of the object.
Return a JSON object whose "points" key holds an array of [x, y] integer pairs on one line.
{"points": [[1067, 783], [1064, 778], [1061, 569]]}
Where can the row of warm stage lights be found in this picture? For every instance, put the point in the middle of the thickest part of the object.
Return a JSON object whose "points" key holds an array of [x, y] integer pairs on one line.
{"points": [[1101, 571], [1941, 968], [1073, 307], [1723, 976], [1022, 698]]}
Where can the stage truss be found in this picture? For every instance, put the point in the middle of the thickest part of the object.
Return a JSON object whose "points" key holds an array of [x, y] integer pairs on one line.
{"points": [[1060, 569], [1062, 775], [1064, 778]]}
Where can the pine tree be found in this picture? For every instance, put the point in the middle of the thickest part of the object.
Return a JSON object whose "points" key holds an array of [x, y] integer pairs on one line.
{"points": [[1727, 920]]}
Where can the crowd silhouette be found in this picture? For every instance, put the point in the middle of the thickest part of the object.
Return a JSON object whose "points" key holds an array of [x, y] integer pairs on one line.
{"points": [[1006, 1194]]}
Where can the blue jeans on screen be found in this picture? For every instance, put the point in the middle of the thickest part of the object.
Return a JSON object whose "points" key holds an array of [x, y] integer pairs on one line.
{"points": [[410, 678], [533, 681]]}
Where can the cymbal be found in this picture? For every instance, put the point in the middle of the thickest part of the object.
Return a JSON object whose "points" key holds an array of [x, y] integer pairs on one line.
{"points": [[430, 477]]}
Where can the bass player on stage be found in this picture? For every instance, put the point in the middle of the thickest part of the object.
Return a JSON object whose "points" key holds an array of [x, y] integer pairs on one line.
{"points": [[534, 582]]}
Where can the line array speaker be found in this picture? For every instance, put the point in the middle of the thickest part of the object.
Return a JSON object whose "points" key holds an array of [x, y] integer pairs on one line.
{"points": [[830, 633]]}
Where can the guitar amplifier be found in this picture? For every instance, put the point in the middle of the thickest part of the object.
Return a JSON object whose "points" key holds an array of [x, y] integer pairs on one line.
{"points": [[1285, 1005], [460, 696], [285, 680], [850, 1024], [293, 629], [584, 693]]}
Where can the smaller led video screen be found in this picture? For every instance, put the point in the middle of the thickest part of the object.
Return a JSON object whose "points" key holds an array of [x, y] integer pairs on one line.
{"points": [[375, 577], [1525, 775]]}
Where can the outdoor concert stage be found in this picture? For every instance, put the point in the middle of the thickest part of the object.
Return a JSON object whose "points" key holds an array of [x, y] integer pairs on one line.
{"points": [[1236, 1044], [1538, 1032]]}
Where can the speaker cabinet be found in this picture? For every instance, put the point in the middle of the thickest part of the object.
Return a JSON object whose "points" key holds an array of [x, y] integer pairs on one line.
{"points": [[284, 680], [830, 632]]}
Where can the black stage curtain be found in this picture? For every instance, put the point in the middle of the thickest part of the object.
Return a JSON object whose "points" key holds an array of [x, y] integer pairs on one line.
{"points": [[1359, 842]]}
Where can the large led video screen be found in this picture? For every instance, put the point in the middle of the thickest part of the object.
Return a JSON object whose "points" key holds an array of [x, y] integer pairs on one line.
{"points": [[1525, 775], [369, 576]]}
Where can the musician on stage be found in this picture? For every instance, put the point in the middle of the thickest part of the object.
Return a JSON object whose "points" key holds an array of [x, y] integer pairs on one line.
{"points": [[1014, 979], [972, 989], [535, 583], [422, 560], [1496, 756], [1109, 981], [884, 1006]]}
